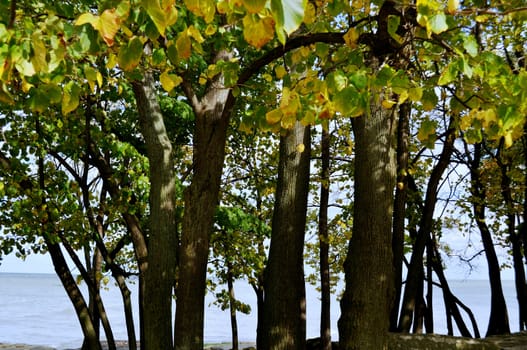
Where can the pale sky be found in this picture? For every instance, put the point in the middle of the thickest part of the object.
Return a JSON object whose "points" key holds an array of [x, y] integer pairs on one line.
{"points": [[37, 263]]}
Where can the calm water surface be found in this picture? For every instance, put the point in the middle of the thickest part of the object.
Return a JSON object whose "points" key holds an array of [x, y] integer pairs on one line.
{"points": [[34, 309]]}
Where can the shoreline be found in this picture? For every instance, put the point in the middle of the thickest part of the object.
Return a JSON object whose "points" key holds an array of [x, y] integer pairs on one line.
{"points": [[120, 345]]}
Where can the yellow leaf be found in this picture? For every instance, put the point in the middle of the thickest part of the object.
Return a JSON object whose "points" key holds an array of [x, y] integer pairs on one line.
{"points": [[300, 148], [280, 72], [202, 8], [388, 104], [87, 18], [254, 6], [169, 81], [258, 31], [291, 106], [112, 61], [109, 25], [163, 13], [91, 76], [183, 45], [415, 94], [351, 38], [210, 30], [99, 78], [39, 53], [273, 116], [452, 6], [195, 34], [309, 13], [507, 140], [288, 121], [403, 96]]}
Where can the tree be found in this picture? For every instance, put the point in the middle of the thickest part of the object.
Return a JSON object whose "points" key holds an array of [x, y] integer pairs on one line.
{"points": [[284, 306]]}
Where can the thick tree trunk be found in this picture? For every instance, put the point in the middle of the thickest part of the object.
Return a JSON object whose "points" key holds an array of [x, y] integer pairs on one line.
{"points": [[201, 199], [160, 274], [284, 311], [325, 287], [368, 297]]}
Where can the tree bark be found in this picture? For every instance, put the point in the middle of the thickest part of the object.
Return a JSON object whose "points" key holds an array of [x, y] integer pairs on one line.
{"points": [[499, 319], [160, 274], [399, 209], [325, 287], [201, 199], [232, 307], [284, 318], [423, 235], [365, 305]]}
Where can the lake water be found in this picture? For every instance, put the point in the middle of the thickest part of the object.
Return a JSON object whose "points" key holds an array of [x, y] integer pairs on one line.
{"points": [[34, 309]]}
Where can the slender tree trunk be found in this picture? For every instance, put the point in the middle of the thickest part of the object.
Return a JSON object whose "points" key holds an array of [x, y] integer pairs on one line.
{"points": [[429, 317], [97, 310], [201, 199], [399, 209], [517, 240], [325, 287], [132, 222], [91, 340], [159, 277], [499, 320], [368, 297], [284, 316], [451, 302], [232, 307], [423, 235]]}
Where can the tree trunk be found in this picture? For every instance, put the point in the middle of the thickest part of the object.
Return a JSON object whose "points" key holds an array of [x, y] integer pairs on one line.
{"points": [[451, 302], [423, 235], [325, 287], [368, 297], [91, 340], [201, 199], [399, 208], [499, 320], [284, 319], [518, 239], [232, 307], [160, 274]]}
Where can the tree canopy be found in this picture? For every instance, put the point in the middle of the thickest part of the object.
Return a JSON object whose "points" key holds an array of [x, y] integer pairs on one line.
{"points": [[157, 136]]}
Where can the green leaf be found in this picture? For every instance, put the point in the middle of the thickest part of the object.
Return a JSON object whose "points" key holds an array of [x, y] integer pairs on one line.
{"points": [[449, 74], [130, 55], [393, 25], [471, 45], [438, 23], [345, 101], [336, 81], [429, 99], [70, 97], [288, 15], [427, 133], [162, 16]]}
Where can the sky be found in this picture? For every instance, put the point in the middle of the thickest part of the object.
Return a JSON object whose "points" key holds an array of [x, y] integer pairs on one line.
{"points": [[455, 270]]}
